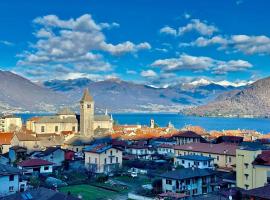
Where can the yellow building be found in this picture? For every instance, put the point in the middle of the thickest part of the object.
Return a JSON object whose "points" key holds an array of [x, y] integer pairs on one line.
{"points": [[102, 158], [64, 120], [223, 154], [252, 166], [10, 123]]}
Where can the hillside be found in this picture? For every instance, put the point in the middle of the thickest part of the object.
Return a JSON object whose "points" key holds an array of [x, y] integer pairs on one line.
{"points": [[251, 101]]}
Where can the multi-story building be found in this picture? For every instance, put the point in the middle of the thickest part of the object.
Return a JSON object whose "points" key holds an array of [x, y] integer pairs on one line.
{"points": [[102, 158], [252, 167], [141, 151], [10, 182], [189, 181], [187, 161], [223, 154], [10, 123], [186, 137], [36, 167]]}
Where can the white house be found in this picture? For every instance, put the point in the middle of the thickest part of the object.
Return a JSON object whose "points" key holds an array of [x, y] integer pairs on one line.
{"points": [[197, 161], [102, 158], [189, 181], [10, 180], [165, 149], [141, 151], [55, 155], [36, 166]]}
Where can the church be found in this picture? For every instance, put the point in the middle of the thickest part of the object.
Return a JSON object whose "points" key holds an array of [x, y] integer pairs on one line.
{"points": [[87, 125], [92, 125]]}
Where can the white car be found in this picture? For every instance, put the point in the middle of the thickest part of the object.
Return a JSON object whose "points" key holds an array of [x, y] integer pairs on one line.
{"points": [[133, 174]]}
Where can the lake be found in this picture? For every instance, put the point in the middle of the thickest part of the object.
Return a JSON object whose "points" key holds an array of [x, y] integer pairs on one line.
{"points": [[209, 123]]}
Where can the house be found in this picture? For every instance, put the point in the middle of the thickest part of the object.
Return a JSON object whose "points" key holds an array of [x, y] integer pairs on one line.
{"points": [[224, 154], [102, 158], [197, 161], [10, 123], [252, 167], [159, 141], [10, 182], [26, 140], [165, 149], [189, 181], [5, 142], [55, 155], [36, 166], [77, 143], [17, 153], [260, 193], [186, 137], [145, 152], [40, 193]]}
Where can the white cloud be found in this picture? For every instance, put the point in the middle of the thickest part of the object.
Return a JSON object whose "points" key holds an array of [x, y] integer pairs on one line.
{"points": [[5, 42], [168, 30], [239, 43], [187, 15], [131, 72], [76, 43], [197, 25], [148, 73], [201, 63]]}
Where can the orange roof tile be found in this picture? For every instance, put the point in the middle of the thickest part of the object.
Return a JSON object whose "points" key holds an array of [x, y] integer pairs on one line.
{"points": [[5, 138]]}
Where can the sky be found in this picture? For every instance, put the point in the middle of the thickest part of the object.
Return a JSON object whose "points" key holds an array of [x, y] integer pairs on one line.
{"points": [[154, 42]]}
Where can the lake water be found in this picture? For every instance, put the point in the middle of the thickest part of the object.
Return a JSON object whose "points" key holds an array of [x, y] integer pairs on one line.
{"points": [[209, 123]]}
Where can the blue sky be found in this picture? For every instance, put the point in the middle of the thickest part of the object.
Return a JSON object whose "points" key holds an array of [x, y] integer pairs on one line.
{"points": [[147, 41]]}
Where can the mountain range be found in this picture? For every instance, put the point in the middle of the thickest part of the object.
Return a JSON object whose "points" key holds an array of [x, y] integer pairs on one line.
{"points": [[19, 94], [252, 101]]}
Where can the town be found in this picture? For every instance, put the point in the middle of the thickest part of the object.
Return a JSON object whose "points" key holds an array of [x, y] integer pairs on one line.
{"points": [[89, 156]]}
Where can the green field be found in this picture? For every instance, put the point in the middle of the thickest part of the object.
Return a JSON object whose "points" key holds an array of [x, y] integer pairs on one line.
{"points": [[89, 192]]}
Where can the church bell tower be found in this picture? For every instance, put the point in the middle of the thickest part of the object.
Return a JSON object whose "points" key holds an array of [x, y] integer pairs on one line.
{"points": [[86, 114]]}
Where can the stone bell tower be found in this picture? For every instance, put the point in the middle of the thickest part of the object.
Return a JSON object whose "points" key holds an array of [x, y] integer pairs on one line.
{"points": [[86, 114]]}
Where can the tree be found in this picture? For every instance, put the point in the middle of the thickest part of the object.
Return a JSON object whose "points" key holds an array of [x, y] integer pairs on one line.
{"points": [[34, 181]]}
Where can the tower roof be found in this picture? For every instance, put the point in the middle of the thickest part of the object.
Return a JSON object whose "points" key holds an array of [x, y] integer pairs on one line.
{"points": [[86, 96]]}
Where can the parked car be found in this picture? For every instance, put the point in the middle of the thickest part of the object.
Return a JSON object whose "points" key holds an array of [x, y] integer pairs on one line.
{"points": [[133, 174]]}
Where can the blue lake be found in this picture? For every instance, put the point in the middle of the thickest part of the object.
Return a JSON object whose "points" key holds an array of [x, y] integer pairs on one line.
{"points": [[209, 123]]}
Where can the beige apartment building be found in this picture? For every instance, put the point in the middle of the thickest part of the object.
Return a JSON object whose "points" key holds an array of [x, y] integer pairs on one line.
{"points": [[10, 123], [252, 168], [64, 120], [224, 154], [103, 158]]}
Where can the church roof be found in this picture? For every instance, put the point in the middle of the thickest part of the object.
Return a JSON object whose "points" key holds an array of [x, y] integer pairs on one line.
{"points": [[102, 118], [65, 111], [86, 96], [56, 119]]}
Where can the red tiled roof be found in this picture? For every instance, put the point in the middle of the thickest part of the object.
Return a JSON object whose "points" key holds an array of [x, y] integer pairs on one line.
{"points": [[261, 192], [222, 148], [263, 159], [34, 162], [187, 134], [5, 138]]}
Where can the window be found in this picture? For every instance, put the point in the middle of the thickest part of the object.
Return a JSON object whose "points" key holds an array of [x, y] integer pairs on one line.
{"points": [[46, 168], [246, 165], [88, 105], [56, 129], [246, 186], [111, 160], [230, 159], [195, 191], [73, 128], [11, 178], [217, 157], [111, 152], [246, 176], [183, 161], [105, 161], [42, 129], [168, 181], [11, 188], [82, 106], [188, 181], [116, 159], [95, 160]]}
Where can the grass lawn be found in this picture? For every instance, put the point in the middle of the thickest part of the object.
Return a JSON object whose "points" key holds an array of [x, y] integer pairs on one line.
{"points": [[89, 192]]}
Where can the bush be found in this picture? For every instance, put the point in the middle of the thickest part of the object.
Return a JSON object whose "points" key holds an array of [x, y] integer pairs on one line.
{"points": [[102, 178]]}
